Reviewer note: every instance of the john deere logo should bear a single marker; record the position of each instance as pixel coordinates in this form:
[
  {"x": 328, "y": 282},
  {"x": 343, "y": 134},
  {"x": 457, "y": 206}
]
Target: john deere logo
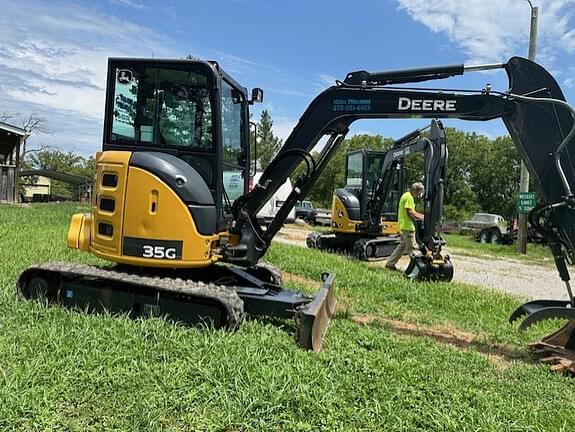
[
  {"x": 408, "y": 104},
  {"x": 125, "y": 76}
]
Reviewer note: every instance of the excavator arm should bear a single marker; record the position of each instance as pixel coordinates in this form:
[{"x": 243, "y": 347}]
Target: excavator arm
[
  {"x": 540, "y": 122},
  {"x": 533, "y": 110},
  {"x": 429, "y": 263}
]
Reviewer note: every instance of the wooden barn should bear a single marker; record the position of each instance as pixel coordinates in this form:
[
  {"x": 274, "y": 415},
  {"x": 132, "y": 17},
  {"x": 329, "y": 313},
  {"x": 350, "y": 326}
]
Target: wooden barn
[{"x": 12, "y": 140}]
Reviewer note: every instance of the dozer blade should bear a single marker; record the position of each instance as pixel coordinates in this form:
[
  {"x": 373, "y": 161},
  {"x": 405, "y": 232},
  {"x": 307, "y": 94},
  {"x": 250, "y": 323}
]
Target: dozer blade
[
  {"x": 557, "y": 349},
  {"x": 313, "y": 319},
  {"x": 422, "y": 268}
]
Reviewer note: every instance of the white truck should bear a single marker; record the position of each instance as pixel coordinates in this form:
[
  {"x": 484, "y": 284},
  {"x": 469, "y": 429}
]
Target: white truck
[{"x": 270, "y": 208}]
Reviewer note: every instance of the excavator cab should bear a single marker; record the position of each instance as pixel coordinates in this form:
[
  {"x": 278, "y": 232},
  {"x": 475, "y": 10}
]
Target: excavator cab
[
  {"x": 350, "y": 208},
  {"x": 350, "y": 203},
  {"x": 192, "y": 111}
]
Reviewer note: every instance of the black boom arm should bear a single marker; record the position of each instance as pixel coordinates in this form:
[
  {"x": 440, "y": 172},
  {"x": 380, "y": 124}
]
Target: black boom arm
[{"x": 537, "y": 128}]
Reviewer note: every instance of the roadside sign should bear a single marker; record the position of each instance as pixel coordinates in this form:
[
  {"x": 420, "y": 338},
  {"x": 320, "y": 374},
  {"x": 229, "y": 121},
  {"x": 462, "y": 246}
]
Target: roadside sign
[{"x": 526, "y": 201}]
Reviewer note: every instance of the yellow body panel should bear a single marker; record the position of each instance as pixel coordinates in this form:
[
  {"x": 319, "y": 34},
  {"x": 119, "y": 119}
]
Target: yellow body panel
[
  {"x": 341, "y": 222},
  {"x": 144, "y": 208},
  {"x": 111, "y": 163}
]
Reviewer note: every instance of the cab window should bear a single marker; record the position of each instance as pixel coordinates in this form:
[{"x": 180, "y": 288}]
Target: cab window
[{"x": 232, "y": 145}]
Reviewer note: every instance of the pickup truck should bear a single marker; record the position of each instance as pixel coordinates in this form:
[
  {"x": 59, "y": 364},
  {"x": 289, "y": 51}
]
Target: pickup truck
[
  {"x": 488, "y": 228},
  {"x": 304, "y": 210},
  {"x": 323, "y": 217}
]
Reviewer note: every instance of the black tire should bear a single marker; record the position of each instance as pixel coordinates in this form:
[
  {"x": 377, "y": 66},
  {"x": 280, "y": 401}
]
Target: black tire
[
  {"x": 38, "y": 288},
  {"x": 484, "y": 236},
  {"x": 312, "y": 240},
  {"x": 495, "y": 237},
  {"x": 370, "y": 251}
]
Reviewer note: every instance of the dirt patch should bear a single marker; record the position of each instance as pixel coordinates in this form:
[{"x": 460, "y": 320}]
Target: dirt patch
[
  {"x": 297, "y": 234},
  {"x": 502, "y": 356}
]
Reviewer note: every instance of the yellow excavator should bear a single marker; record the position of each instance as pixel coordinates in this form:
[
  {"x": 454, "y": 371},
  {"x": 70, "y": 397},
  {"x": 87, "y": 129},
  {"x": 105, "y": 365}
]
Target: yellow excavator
[
  {"x": 364, "y": 212},
  {"x": 171, "y": 201}
]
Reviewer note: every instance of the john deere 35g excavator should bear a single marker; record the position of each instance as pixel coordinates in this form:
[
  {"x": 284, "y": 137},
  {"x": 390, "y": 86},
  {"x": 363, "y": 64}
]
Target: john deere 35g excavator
[
  {"x": 163, "y": 210},
  {"x": 365, "y": 211}
]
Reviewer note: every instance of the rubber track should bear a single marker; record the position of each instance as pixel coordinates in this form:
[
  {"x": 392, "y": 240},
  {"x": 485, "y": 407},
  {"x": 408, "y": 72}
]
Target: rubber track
[{"x": 225, "y": 295}]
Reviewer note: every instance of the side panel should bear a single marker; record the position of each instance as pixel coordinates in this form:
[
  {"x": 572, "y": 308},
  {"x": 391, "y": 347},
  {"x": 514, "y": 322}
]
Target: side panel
[
  {"x": 342, "y": 223},
  {"x": 109, "y": 186},
  {"x": 138, "y": 219},
  {"x": 340, "y": 216},
  {"x": 159, "y": 226}
]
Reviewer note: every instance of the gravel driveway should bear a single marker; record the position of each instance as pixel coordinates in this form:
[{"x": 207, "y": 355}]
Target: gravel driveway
[{"x": 508, "y": 275}]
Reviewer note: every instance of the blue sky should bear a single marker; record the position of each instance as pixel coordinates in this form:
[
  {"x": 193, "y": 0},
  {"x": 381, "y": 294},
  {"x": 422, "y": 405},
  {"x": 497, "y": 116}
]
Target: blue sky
[{"x": 53, "y": 53}]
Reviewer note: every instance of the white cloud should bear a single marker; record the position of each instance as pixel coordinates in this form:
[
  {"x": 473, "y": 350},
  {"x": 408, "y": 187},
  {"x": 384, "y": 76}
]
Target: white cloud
[
  {"x": 569, "y": 82},
  {"x": 53, "y": 61},
  {"x": 493, "y": 30},
  {"x": 130, "y": 3}
]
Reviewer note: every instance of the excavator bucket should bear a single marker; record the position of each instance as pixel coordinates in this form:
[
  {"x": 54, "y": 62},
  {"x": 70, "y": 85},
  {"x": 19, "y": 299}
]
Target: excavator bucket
[
  {"x": 425, "y": 268},
  {"x": 313, "y": 319},
  {"x": 557, "y": 349}
]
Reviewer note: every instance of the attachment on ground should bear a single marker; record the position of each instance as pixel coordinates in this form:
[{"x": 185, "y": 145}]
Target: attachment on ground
[
  {"x": 557, "y": 349},
  {"x": 427, "y": 268}
]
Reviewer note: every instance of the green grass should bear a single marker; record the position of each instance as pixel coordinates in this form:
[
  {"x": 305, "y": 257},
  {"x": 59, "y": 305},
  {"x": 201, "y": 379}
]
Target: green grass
[
  {"x": 66, "y": 370},
  {"x": 466, "y": 245}
]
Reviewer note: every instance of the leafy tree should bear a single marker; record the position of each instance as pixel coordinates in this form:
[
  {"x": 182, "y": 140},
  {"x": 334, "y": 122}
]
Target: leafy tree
[
  {"x": 267, "y": 144},
  {"x": 481, "y": 173},
  {"x": 494, "y": 176}
]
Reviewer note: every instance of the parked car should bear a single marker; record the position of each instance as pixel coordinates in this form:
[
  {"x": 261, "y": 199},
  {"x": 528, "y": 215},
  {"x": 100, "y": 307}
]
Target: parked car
[
  {"x": 304, "y": 210},
  {"x": 488, "y": 228},
  {"x": 323, "y": 217}
]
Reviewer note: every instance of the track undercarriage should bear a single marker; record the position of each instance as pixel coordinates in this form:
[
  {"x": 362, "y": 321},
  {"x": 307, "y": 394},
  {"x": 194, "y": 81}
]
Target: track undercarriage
[
  {"x": 220, "y": 297},
  {"x": 361, "y": 248}
]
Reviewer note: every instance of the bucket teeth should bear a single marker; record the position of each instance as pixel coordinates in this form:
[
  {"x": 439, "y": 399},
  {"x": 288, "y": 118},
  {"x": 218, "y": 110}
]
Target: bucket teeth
[{"x": 557, "y": 349}]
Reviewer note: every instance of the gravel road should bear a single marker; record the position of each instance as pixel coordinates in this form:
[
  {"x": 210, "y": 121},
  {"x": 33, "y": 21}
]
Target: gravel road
[{"x": 508, "y": 275}]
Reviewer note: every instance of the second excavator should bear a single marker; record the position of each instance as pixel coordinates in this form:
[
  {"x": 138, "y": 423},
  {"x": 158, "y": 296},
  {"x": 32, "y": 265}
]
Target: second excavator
[{"x": 364, "y": 212}]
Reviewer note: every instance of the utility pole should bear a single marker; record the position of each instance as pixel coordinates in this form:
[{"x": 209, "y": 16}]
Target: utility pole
[{"x": 524, "y": 179}]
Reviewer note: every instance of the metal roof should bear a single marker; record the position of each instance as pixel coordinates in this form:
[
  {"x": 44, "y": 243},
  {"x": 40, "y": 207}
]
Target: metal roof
[
  {"x": 13, "y": 129},
  {"x": 10, "y": 136},
  {"x": 56, "y": 175}
]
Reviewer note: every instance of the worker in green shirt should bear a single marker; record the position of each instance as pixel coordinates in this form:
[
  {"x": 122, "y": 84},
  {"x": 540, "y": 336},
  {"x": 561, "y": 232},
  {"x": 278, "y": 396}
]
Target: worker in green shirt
[{"x": 406, "y": 215}]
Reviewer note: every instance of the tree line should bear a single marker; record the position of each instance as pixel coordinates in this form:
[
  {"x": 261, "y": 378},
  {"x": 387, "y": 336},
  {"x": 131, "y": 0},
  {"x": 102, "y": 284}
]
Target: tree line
[{"x": 482, "y": 173}]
